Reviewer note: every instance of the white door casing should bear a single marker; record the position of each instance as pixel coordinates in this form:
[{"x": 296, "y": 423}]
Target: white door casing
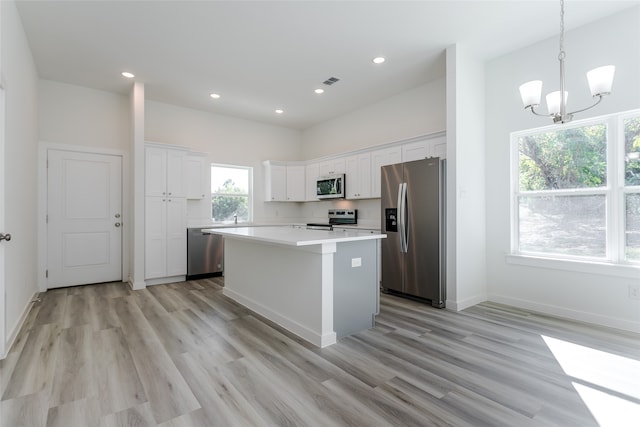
[{"x": 84, "y": 218}]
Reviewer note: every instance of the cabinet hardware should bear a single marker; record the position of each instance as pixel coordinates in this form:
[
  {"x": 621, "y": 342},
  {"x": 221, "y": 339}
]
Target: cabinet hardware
[{"x": 6, "y": 237}]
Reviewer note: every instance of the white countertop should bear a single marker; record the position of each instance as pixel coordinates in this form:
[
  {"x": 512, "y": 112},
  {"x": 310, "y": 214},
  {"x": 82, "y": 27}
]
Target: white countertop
[{"x": 294, "y": 235}]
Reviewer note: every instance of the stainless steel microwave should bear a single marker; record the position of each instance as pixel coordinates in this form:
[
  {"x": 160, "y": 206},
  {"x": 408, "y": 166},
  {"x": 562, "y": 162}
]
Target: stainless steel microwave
[{"x": 330, "y": 187}]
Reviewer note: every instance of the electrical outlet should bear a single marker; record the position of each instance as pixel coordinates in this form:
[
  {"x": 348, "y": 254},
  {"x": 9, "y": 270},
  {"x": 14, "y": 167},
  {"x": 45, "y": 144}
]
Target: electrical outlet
[
  {"x": 634, "y": 290},
  {"x": 356, "y": 262}
]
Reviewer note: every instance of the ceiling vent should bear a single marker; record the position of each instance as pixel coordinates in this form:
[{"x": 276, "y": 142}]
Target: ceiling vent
[{"x": 330, "y": 81}]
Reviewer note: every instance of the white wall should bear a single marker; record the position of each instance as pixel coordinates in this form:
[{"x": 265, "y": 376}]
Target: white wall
[
  {"x": 466, "y": 240},
  {"x": 612, "y": 40},
  {"x": 418, "y": 111},
  {"x": 70, "y": 114},
  {"x": 20, "y": 80},
  {"x": 230, "y": 141}
]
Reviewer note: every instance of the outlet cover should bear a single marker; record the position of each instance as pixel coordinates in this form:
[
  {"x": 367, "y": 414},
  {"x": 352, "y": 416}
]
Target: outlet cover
[
  {"x": 356, "y": 262},
  {"x": 634, "y": 290}
]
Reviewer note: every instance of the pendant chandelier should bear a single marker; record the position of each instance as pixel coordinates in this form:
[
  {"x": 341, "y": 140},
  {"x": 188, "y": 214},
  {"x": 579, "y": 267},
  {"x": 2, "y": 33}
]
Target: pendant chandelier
[{"x": 600, "y": 82}]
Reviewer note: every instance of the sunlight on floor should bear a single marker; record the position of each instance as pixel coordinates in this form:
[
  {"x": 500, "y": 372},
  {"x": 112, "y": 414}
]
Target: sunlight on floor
[{"x": 607, "y": 383}]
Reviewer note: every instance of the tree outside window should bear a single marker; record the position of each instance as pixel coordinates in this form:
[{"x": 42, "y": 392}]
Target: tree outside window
[
  {"x": 577, "y": 190},
  {"x": 231, "y": 193}
]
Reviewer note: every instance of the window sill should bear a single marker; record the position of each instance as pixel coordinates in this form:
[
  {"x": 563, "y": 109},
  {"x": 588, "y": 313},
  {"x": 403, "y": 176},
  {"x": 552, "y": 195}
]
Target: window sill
[{"x": 590, "y": 267}]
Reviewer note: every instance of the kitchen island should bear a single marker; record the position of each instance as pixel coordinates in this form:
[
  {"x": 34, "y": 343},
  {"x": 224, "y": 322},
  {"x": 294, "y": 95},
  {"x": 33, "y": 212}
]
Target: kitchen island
[{"x": 320, "y": 285}]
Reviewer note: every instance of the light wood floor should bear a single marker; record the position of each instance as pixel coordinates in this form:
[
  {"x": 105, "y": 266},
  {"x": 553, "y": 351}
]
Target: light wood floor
[{"x": 185, "y": 355}]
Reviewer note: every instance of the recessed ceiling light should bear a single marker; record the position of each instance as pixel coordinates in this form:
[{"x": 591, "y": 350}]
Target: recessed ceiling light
[
  {"x": 319, "y": 91},
  {"x": 279, "y": 111},
  {"x": 215, "y": 95},
  {"x": 128, "y": 74},
  {"x": 378, "y": 60}
]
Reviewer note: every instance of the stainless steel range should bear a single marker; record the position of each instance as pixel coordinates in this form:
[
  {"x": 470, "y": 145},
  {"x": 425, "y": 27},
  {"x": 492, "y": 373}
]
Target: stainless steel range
[{"x": 336, "y": 217}]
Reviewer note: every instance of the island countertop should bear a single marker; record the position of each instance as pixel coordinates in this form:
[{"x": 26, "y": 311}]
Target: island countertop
[{"x": 294, "y": 235}]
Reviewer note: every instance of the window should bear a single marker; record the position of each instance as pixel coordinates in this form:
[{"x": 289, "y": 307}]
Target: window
[
  {"x": 231, "y": 193},
  {"x": 576, "y": 190}
]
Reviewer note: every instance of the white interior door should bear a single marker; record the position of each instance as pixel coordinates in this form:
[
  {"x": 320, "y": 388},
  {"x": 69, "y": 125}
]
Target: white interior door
[
  {"x": 2, "y": 230},
  {"x": 84, "y": 226}
]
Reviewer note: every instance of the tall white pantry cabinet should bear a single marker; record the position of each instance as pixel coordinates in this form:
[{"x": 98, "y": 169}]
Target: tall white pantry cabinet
[{"x": 165, "y": 214}]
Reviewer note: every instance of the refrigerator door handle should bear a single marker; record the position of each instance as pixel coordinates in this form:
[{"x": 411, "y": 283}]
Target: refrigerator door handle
[{"x": 402, "y": 217}]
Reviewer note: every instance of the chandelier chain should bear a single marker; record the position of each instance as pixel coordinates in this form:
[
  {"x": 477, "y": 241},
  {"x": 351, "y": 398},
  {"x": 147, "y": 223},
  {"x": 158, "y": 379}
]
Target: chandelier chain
[{"x": 561, "y": 55}]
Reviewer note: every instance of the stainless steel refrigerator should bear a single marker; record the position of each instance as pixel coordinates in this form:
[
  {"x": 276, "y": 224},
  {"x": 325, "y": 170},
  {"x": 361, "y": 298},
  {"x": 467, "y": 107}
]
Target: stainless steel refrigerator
[{"x": 413, "y": 217}]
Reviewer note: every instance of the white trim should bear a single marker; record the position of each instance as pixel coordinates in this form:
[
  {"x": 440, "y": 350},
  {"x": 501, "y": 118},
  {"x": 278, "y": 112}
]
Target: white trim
[
  {"x": 43, "y": 148},
  {"x": 160, "y": 281},
  {"x": 608, "y": 269},
  {"x": 302, "y": 331},
  {"x": 19, "y": 324},
  {"x": 466, "y": 303},
  {"x": 582, "y": 316}
]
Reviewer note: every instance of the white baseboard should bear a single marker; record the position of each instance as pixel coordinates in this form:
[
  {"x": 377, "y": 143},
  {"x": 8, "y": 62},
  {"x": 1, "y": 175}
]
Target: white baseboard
[
  {"x": 466, "y": 303},
  {"x": 13, "y": 334},
  {"x": 302, "y": 331},
  {"x": 581, "y": 316},
  {"x": 163, "y": 280}
]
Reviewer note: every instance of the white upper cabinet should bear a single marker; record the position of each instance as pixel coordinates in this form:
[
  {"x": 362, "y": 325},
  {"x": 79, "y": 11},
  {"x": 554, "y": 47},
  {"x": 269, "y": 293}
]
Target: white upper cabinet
[
  {"x": 284, "y": 183},
  {"x": 198, "y": 176},
  {"x": 379, "y": 158},
  {"x": 415, "y": 151},
  {"x": 165, "y": 172},
  {"x": 433, "y": 147},
  {"x": 312, "y": 173},
  {"x": 275, "y": 182},
  {"x": 296, "y": 183},
  {"x": 331, "y": 167},
  {"x": 358, "y": 176}
]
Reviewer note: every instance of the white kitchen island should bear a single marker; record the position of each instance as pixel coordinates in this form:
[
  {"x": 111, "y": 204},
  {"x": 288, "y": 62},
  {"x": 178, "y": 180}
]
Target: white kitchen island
[{"x": 320, "y": 285}]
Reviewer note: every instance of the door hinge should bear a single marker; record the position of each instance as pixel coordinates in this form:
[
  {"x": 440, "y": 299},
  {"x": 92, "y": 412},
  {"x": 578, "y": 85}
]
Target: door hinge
[
  {"x": 46, "y": 274},
  {"x": 46, "y": 219}
]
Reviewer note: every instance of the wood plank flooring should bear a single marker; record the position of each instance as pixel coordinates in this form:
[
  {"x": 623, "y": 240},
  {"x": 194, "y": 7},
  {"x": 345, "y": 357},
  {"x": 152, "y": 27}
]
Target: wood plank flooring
[{"x": 182, "y": 354}]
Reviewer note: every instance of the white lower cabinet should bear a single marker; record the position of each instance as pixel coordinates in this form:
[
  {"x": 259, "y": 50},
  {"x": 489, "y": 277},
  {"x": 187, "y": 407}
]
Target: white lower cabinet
[{"x": 165, "y": 237}]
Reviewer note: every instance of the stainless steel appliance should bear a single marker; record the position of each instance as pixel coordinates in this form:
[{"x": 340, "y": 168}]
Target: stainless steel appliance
[
  {"x": 330, "y": 186},
  {"x": 413, "y": 217},
  {"x": 336, "y": 217},
  {"x": 205, "y": 254}
]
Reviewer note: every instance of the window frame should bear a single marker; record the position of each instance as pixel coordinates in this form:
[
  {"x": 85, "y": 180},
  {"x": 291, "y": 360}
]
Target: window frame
[
  {"x": 615, "y": 192},
  {"x": 249, "y": 194}
]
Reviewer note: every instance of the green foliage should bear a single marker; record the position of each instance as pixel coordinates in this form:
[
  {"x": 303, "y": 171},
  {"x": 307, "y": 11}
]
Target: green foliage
[
  {"x": 229, "y": 200},
  {"x": 572, "y": 158},
  {"x": 632, "y": 151}
]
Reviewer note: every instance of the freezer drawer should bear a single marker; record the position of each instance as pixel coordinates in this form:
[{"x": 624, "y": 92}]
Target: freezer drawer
[{"x": 205, "y": 253}]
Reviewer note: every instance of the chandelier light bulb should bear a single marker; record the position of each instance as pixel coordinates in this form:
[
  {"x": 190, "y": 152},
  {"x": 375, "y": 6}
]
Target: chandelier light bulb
[
  {"x": 601, "y": 79},
  {"x": 531, "y": 93},
  {"x": 553, "y": 102}
]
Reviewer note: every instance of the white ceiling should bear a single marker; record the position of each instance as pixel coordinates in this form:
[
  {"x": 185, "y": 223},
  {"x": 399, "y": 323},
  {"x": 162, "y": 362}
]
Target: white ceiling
[{"x": 263, "y": 55}]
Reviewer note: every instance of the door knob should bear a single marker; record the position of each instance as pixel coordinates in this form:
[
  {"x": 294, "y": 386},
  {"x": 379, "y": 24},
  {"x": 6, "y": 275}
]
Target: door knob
[
  {"x": 6, "y": 237},
  {"x": 117, "y": 215},
  {"x": 117, "y": 224}
]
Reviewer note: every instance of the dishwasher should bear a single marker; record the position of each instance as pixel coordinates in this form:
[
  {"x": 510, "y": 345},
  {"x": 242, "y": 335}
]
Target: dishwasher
[{"x": 205, "y": 254}]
